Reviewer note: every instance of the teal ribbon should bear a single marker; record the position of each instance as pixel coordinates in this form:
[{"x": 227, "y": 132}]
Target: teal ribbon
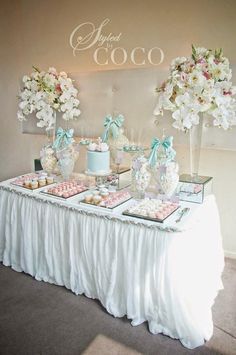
[
  {"x": 166, "y": 144},
  {"x": 112, "y": 126},
  {"x": 63, "y": 138}
]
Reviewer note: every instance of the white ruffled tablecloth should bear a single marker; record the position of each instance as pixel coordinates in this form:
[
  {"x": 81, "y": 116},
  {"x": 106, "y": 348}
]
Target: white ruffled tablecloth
[{"x": 152, "y": 272}]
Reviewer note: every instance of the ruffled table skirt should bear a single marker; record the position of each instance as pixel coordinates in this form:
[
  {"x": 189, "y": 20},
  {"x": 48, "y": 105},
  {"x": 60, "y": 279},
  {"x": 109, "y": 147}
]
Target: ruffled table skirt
[{"x": 169, "y": 279}]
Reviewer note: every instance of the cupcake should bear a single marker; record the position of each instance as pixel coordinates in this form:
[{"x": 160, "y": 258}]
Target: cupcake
[
  {"x": 88, "y": 198},
  {"x": 34, "y": 184},
  {"x": 97, "y": 199},
  {"x": 42, "y": 181},
  {"x": 49, "y": 179},
  {"x": 27, "y": 183}
]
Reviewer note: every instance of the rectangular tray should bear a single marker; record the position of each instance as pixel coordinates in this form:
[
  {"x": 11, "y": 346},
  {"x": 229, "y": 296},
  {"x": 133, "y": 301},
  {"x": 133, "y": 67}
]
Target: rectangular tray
[
  {"x": 30, "y": 188},
  {"x": 126, "y": 213},
  {"x": 105, "y": 207},
  {"x": 61, "y": 197}
]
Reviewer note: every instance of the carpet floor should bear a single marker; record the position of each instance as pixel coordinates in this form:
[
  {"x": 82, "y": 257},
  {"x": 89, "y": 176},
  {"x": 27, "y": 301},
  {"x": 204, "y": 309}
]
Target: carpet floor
[{"x": 38, "y": 318}]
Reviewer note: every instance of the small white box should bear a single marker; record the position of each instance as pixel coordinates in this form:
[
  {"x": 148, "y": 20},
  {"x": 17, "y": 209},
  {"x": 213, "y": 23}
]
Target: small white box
[{"x": 194, "y": 189}]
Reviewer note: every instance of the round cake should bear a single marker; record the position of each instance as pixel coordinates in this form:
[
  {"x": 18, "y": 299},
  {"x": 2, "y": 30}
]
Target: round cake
[{"x": 98, "y": 158}]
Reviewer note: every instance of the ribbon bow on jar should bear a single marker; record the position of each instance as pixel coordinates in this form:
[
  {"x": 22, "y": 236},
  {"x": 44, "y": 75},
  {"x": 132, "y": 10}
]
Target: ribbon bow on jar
[
  {"x": 113, "y": 126},
  {"x": 166, "y": 143},
  {"x": 63, "y": 138}
]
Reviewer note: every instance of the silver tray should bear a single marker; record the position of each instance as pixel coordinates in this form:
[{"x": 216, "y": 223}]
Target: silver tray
[
  {"x": 104, "y": 207},
  {"x": 127, "y": 213}
]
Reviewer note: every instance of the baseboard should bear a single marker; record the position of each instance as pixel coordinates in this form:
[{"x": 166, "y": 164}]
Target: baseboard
[{"x": 230, "y": 254}]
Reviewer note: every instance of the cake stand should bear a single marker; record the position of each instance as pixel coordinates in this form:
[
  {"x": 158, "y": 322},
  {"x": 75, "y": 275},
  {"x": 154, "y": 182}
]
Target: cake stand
[{"x": 100, "y": 178}]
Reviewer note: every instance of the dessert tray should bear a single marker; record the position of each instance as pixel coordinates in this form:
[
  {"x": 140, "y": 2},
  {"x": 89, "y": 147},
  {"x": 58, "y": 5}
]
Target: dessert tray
[
  {"x": 66, "y": 189},
  {"x": 152, "y": 209},
  {"x": 33, "y": 181},
  {"x": 105, "y": 199}
]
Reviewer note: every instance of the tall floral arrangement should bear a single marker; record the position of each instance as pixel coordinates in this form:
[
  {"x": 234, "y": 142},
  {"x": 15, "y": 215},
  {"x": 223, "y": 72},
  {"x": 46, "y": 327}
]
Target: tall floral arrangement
[
  {"x": 199, "y": 84},
  {"x": 45, "y": 93}
]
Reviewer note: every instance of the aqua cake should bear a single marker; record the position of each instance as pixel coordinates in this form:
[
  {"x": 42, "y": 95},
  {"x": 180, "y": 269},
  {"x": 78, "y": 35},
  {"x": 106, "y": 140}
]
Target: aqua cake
[{"x": 98, "y": 158}]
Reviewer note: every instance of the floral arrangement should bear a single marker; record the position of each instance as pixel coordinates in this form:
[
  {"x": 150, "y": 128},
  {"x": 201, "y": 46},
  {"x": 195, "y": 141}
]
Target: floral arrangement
[
  {"x": 45, "y": 93},
  {"x": 199, "y": 84}
]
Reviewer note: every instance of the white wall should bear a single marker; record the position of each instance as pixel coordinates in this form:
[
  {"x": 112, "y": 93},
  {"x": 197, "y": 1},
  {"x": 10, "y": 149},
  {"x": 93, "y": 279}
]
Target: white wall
[{"x": 37, "y": 33}]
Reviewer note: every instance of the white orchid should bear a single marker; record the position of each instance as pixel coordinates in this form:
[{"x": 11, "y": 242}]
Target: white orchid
[
  {"x": 45, "y": 93},
  {"x": 196, "y": 84},
  {"x": 25, "y": 78},
  {"x": 185, "y": 116},
  {"x": 196, "y": 79}
]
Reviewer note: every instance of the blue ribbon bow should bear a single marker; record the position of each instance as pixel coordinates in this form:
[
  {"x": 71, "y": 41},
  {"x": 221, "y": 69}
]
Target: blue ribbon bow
[
  {"x": 167, "y": 145},
  {"x": 112, "y": 125},
  {"x": 64, "y": 138}
]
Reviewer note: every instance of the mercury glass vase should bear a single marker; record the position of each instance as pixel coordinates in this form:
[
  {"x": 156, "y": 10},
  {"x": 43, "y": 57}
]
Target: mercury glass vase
[{"x": 195, "y": 142}]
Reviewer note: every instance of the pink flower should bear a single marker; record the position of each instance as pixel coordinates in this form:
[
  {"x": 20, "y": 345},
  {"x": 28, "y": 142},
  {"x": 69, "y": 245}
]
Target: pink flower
[
  {"x": 227, "y": 92},
  {"x": 201, "y": 61},
  {"x": 207, "y": 75},
  {"x": 58, "y": 88},
  {"x": 183, "y": 76}
]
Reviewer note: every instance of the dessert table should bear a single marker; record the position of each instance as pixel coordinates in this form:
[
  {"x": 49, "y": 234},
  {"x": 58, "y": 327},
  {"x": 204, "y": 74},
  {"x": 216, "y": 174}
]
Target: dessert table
[{"x": 167, "y": 274}]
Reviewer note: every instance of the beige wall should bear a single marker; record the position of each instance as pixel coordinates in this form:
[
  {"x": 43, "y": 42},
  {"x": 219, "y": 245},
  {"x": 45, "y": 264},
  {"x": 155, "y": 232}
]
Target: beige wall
[{"x": 37, "y": 33}]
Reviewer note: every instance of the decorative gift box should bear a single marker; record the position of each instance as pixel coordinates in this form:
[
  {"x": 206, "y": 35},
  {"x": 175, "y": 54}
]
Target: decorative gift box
[{"x": 194, "y": 189}]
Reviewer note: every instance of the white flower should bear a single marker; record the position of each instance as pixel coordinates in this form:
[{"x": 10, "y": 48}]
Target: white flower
[
  {"x": 219, "y": 71},
  {"x": 49, "y": 79},
  {"x": 51, "y": 98},
  {"x": 35, "y": 75},
  {"x": 20, "y": 116},
  {"x": 56, "y": 106},
  {"x": 28, "y": 85},
  {"x": 185, "y": 118},
  {"x": 25, "y": 78},
  {"x": 52, "y": 70},
  {"x": 224, "y": 117},
  {"x": 183, "y": 100},
  {"x": 196, "y": 78},
  {"x": 178, "y": 61},
  {"x": 63, "y": 74},
  {"x": 201, "y": 52},
  {"x": 23, "y": 105},
  {"x": 25, "y": 95},
  {"x": 200, "y": 83},
  {"x": 76, "y": 112},
  {"x": 34, "y": 85},
  {"x": 46, "y": 92}
]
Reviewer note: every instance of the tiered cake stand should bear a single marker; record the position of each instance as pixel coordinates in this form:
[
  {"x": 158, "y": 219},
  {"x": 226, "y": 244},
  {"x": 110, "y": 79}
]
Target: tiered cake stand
[{"x": 100, "y": 178}]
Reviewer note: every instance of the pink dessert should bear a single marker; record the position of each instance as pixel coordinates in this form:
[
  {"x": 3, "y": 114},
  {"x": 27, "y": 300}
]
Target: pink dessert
[
  {"x": 152, "y": 209},
  {"x": 67, "y": 189}
]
